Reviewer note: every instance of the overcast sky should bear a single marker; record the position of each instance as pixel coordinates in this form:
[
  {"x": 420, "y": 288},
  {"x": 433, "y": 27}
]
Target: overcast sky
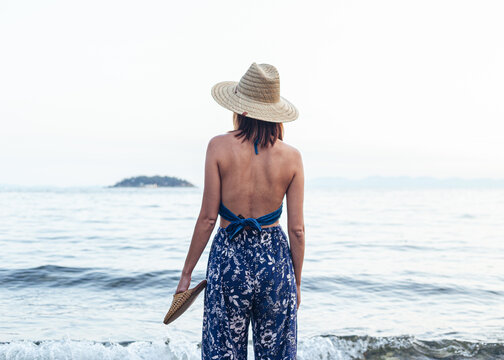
[{"x": 95, "y": 91}]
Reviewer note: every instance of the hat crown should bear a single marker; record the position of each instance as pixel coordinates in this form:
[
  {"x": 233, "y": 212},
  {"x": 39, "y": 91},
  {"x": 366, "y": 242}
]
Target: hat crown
[{"x": 260, "y": 83}]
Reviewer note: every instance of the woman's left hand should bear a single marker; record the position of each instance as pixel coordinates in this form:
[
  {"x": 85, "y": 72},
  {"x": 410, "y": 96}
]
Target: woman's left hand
[{"x": 185, "y": 281}]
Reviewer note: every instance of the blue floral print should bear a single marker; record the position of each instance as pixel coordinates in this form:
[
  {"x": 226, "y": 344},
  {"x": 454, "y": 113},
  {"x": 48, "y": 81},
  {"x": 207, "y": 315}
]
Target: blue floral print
[{"x": 250, "y": 279}]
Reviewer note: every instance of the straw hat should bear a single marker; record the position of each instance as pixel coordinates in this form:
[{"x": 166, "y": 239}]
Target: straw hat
[
  {"x": 256, "y": 95},
  {"x": 182, "y": 301}
]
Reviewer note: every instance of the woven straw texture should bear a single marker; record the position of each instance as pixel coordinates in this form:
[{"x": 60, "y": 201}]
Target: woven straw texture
[
  {"x": 183, "y": 299},
  {"x": 256, "y": 95}
]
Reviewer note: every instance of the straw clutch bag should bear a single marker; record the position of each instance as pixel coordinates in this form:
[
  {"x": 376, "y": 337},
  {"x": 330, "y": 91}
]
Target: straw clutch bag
[{"x": 182, "y": 301}]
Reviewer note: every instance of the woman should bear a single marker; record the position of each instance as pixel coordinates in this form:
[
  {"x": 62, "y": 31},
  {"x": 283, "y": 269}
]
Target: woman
[{"x": 252, "y": 273}]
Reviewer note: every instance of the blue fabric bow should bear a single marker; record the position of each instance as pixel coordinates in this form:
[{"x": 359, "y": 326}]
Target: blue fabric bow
[{"x": 236, "y": 224}]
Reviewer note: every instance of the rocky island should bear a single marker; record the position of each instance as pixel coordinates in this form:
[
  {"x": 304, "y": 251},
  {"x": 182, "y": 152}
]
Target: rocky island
[{"x": 153, "y": 182}]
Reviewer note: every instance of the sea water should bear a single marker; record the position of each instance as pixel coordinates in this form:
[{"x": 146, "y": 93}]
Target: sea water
[{"x": 89, "y": 273}]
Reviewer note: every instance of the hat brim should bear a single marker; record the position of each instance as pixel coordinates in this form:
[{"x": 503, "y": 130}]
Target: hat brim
[{"x": 281, "y": 111}]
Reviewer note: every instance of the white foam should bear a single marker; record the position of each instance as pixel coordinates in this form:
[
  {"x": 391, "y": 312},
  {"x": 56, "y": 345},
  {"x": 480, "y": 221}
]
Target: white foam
[
  {"x": 322, "y": 347},
  {"x": 313, "y": 348},
  {"x": 87, "y": 350}
]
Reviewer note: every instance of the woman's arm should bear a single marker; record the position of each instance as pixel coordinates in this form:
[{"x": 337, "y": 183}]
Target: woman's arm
[
  {"x": 207, "y": 217},
  {"x": 295, "y": 220}
]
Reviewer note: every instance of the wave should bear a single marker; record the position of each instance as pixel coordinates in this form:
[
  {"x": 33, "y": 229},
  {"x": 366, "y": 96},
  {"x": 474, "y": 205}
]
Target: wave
[
  {"x": 355, "y": 347},
  {"x": 106, "y": 278},
  {"x": 62, "y": 276},
  {"x": 318, "y": 347}
]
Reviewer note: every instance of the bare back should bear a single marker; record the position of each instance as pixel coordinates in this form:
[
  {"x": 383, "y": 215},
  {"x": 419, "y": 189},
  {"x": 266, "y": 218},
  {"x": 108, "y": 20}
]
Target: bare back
[{"x": 253, "y": 184}]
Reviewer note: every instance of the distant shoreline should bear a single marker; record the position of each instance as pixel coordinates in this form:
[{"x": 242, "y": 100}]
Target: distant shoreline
[{"x": 407, "y": 182}]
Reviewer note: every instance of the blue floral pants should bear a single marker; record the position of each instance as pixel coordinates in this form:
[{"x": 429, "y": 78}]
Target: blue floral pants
[{"x": 250, "y": 278}]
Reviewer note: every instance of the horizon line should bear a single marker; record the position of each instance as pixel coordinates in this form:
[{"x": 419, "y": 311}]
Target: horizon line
[{"x": 320, "y": 180}]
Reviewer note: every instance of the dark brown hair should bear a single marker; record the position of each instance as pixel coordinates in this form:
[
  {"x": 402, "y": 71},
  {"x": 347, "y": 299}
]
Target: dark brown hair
[{"x": 253, "y": 129}]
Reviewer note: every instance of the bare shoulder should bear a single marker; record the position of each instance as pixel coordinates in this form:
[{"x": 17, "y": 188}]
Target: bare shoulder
[
  {"x": 291, "y": 153},
  {"x": 219, "y": 142}
]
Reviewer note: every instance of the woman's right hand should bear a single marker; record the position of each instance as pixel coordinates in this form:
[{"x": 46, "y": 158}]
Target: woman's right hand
[
  {"x": 185, "y": 281},
  {"x": 298, "y": 288}
]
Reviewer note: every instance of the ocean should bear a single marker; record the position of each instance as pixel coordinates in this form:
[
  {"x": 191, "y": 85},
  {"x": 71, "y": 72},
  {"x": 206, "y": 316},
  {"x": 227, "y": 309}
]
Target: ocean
[{"x": 89, "y": 273}]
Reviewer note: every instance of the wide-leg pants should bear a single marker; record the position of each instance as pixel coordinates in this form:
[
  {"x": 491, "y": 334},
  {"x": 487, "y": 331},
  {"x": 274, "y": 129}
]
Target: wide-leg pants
[{"x": 250, "y": 278}]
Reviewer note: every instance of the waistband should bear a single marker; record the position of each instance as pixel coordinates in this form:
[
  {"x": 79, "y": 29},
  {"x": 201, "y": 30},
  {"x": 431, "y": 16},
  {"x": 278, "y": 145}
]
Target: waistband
[
  {"x": 271, "y": 228},
  {"x": 273, "y": 233}
]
